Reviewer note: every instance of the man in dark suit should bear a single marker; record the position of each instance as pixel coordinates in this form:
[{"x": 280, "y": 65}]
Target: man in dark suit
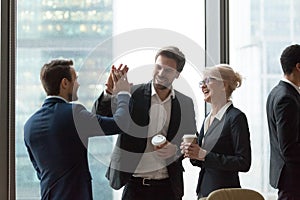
[
  {"x": 56, "y": 136},
  {"x": 156, "y": 108},
  {"x": 283, "y": 113}
]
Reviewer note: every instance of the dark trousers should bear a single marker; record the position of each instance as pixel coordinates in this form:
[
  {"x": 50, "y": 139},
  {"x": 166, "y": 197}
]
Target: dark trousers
[
  {"x": 288, "y": 195},
  {"x": 139, "y": 189}
]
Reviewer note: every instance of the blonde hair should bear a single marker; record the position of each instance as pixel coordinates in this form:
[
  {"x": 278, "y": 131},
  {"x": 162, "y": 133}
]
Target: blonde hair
[{"x": 225, "y": 73}]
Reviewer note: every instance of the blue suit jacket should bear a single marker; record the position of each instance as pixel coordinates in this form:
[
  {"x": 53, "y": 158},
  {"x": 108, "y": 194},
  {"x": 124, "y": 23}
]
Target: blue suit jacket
[
  {"x": 56, "y": 137},
  {"x": 227, "y": 142},
  {"x": 283, "y": 111}
]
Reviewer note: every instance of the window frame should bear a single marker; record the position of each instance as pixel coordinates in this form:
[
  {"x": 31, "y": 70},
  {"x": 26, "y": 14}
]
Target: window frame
[
  {"x": 7, "y": 100},
  {"x": 216, "y": 34}
]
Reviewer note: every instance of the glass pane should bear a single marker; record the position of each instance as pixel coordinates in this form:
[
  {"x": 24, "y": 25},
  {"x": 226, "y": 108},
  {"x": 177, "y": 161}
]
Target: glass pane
[
  {"x": 88, "y": 31},
  {"x": 259, "y": 31},
  {"x": 50, "y": 29}
]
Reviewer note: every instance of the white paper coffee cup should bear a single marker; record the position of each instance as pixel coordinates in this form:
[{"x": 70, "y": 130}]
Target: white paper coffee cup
[
  {"x": 189, "y": 138},
  {"x": 158, "y": 140}
]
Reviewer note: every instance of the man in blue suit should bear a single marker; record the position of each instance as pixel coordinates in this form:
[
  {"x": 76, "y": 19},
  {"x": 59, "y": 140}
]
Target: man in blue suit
[
  {"x": 283, "y": 112},
  {"x": 56, "y": 136}
]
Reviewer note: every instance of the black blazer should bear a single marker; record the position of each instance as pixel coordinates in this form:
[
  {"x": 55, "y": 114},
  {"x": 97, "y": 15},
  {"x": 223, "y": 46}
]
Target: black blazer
[
  {"x": 56, "y": 137},
  {"x": 283, "y": 112},
  {"x": 130, "y": 147},
  {"x": 227, "y": 142}
]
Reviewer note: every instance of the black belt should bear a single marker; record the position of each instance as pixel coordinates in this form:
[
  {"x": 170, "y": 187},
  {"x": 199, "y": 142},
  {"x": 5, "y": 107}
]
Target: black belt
[{"x": 149, "y": 182}]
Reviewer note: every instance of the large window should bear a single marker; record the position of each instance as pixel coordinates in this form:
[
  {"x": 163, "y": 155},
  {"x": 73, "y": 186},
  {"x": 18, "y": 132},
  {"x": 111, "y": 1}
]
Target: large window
[
  {"x": 259, "y": 31},
  {"x": 92, "y": 32},
  {"x": 95, "y": 34},
  {"x": 50, "y": 29}
]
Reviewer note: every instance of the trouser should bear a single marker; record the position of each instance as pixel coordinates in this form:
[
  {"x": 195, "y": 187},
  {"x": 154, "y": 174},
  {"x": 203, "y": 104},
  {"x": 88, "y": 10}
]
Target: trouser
[
  {"x": 145, "y": 189},
  {"x": 288, "y": 195}
]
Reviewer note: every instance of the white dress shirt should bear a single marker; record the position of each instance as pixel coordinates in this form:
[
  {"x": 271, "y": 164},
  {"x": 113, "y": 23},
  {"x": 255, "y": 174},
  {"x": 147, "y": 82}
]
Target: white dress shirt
[{"x": 151, "y": 165}]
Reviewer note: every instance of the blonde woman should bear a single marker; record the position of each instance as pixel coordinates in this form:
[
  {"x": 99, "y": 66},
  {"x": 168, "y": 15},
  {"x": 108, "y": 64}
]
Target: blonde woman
[{"x": 223, "y": 148}]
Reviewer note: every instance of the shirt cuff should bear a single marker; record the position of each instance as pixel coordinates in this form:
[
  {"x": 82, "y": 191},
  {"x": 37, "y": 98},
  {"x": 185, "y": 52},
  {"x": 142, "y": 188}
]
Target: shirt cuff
[{"x": 124, "y": 92}]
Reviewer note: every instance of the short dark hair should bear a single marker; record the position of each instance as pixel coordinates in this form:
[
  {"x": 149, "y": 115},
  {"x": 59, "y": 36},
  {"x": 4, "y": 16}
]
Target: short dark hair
[
  {"x": 53, "y": 72},
  {"x": 289, "y": 58},
  {"x": 173, "y": 53}
]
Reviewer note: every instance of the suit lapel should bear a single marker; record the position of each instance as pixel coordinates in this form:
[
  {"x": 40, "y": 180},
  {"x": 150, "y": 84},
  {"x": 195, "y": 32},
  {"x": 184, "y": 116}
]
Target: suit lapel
[
  {"x": 201, "y": 136},
  {"x": 175, "y": 111},
  {"x": 147, "y": 97},
  {"x": 213, "y": 125},
  {"x": 140, "y": 105},
  {"x": 174, "y": 119},
  {"x": 214, "y": 131}
]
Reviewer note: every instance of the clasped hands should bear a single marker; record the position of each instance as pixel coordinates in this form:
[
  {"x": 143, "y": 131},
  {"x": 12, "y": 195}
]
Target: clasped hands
[
  {"x": 117, "y": 80},
  {"x": 193, "y": 151}
]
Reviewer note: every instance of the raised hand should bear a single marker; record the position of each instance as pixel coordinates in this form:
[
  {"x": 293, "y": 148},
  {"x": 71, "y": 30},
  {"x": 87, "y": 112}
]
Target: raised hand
[
  {"x": 120, "y": 84},
  {"x": 109, "y": 82},
  {"x": 118, "y": 73}
]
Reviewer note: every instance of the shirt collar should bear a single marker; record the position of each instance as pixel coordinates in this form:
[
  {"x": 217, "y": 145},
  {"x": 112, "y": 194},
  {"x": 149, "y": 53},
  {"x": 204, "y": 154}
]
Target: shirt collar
[
  {"x": 222, "y": 111},
  {"x": 58, "y": 97},
  {"x": 153, "y": 91},
  {"x": 288, "y": 81}
]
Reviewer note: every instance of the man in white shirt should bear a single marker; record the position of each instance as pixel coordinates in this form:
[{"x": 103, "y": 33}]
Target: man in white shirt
[{"x": 156, "y": 108}]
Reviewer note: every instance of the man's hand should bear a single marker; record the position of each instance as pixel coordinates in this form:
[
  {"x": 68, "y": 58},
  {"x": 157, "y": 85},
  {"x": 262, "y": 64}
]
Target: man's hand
[
  {"x": 118, "y": 73},
  {"x": 120, "y": 84},
  {"x": 167, "y": 151}
]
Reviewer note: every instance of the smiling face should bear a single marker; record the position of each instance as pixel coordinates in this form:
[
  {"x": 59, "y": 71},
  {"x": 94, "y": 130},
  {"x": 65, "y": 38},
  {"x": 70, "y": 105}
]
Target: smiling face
[
  {"x": 164, "y": 72},
  {"x": 218, "y": 83},
  {"x": 212, "y": 89}
]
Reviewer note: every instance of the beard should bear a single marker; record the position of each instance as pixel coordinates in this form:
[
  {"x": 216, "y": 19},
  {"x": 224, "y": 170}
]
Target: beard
[
  {"x": 162, "y": 86},
  {"x": 72, "y": 97}
]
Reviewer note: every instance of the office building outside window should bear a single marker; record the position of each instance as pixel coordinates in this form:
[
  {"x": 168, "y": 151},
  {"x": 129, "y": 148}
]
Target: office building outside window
[
  {"x": 84, "y": 30},
  {"x": 50, "y": 29}
]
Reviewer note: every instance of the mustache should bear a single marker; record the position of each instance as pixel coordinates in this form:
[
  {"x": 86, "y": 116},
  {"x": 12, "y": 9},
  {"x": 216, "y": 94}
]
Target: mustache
[{"x": 161, "y": 78}]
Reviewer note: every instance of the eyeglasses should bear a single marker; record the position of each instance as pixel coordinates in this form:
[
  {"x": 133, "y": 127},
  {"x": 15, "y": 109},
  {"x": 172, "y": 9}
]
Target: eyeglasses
[{"x": 206, "y": 81}]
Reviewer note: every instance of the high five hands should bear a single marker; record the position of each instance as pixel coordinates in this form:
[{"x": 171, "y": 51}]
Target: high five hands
[{"x": 117, "y": 80}]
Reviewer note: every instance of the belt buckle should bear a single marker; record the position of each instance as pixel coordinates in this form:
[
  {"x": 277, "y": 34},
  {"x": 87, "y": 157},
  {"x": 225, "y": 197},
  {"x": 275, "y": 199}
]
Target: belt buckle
[{"x": 144, "y": 181}]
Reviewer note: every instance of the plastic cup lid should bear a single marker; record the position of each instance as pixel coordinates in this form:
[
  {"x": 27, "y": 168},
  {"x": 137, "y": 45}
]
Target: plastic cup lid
[
  {"x": 189, "y": 136},
  {"x": 158, "y": 140}
]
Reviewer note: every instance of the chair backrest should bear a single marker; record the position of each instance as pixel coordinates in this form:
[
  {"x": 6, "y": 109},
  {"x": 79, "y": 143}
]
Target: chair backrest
[{"x": 235, "y": 194}]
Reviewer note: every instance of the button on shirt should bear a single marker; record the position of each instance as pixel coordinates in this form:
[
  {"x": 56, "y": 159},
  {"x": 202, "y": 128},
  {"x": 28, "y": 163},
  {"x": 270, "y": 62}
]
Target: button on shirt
[{"x": 151, "y": 165}]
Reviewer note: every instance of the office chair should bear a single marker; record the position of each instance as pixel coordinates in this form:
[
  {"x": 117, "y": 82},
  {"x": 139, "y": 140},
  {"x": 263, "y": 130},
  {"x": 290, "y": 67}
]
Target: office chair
[{"x": 234, "y": 194}]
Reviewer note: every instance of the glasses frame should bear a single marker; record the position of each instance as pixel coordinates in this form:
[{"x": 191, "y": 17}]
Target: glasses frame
[{"x": 207, "y": 81}]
